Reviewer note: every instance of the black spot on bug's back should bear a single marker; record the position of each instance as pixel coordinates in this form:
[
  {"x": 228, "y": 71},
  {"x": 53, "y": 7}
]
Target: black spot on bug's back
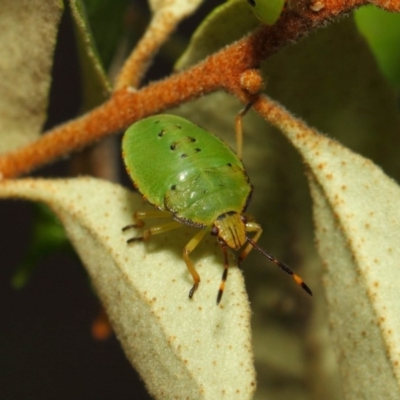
[
  {"x": 178, "y": 126},
  {"x": 184, "y": 144},
  {"x": 229, "y": 164},
  {"x": 161, "y": 133},
  {"x": 173, "y": 187},
  {"x": 252, "y": 2}
]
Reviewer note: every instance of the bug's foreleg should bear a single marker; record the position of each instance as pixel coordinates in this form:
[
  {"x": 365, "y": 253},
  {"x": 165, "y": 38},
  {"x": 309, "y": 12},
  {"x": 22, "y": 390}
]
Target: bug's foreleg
[
  {"x": 225, "y": 273},
  {"x": 190, "y": 266},
  {"x": 250, "y": 227}
]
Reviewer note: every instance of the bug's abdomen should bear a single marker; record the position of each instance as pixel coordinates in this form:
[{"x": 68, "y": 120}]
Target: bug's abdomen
[{"x": 181, "y": 167}]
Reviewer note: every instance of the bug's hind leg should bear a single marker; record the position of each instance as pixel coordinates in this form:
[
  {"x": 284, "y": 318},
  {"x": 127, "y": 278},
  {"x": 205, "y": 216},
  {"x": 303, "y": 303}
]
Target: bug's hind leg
[
  {"x": 239, "y": 130},
  {"x": 189, "y": 263},
  {"x": 139, "y": 218}
]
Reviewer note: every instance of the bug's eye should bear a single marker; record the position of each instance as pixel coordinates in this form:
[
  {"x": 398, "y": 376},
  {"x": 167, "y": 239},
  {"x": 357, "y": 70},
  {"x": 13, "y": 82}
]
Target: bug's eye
[
  {"x": 243, "y": 218},
  {"x": 214, "y": 231}
]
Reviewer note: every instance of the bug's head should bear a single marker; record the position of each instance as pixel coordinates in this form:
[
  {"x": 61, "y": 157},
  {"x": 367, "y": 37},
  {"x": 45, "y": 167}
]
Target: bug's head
[{"x": 230, "y": 227}]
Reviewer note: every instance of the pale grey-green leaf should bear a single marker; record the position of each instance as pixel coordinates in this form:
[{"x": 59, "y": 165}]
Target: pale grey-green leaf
[
  {"x": 331, "y": 80},
  {"x": 177, "y": 8},
  {"x": 182, "y": 348},
  {"x": 357, "y": 215},
  {"x": 28, "y": 37}
]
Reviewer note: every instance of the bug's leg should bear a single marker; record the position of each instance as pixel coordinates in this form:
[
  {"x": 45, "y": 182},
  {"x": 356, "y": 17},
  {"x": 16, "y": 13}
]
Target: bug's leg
[
  {"x": 225, "y": 273},
  {"x": 239, "y": 130},
  {"x": 155, "y": 230},
  {"x": 139, "y": 216},
  {"x": 186, "y": 252},
  {"x": 250, "y": 227}
]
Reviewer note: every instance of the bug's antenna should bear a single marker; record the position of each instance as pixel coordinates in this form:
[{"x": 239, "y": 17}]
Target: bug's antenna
[{"x": 282, "y": 266}]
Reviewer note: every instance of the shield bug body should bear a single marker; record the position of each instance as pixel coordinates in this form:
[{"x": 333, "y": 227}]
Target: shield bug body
[{"x": 192, "y": 176}]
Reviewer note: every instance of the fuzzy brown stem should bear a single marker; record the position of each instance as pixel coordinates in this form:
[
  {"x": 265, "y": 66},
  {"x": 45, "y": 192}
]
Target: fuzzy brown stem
[{"x": 222, "y": 70}]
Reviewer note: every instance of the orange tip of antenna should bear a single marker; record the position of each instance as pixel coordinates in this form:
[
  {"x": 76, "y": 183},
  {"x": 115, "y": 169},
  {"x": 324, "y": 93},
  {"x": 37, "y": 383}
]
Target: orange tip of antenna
[{"x": 301, "y": 283}]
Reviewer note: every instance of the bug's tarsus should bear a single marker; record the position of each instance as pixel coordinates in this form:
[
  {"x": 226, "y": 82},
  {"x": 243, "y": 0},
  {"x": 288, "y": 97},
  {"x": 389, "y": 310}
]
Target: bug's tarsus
[
  {"x": 282, "y": 266},
  {"x": 193, "y": 289},
  {"x": 135, "y": 239},
  {"x": 247, "y": 108},
  {"x": 222, "y": 285},
  {"x": 131, "y": 226}
]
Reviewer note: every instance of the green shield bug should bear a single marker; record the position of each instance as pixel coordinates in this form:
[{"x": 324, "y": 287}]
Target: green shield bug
[{"x": 192, "y": 176}]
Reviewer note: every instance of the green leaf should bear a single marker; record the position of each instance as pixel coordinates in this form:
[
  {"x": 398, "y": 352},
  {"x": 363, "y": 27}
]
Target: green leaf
[
  {"x": 268, "y": 11},
  {"x": 225, "y": 24},
  {"x": 48, "y": 237},
  {"x": 106, "y": 21},
  {"x": 96, "y": 86},
  {"x": 382, "y": 32}
]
